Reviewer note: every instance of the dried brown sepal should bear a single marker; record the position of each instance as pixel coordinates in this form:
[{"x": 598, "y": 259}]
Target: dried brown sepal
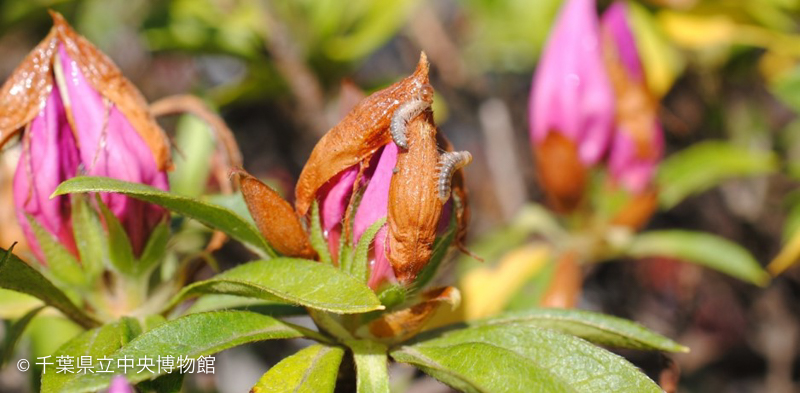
[
  {"x": 25, "y": 91},
  {"x": 567, "y": 283},
  {"x": 358, "y": 136},
  {"x": 561, "y": 172},
  {"x": 406, "y": 323},
  {"x": 638, "y": 210},
  {"x": 108, "y": 80},
  {"x": 414, "y": 206},
  {"x": 637, "y": 108},
  {"x": 274, "y": 217}
]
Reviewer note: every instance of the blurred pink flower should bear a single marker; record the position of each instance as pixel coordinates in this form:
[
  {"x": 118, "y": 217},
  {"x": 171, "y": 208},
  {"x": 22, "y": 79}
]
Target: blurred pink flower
[
  {"x": 120, "y": 385},
  {"x": 571, "y": 92},
  {"x": 638, "y": 141}
]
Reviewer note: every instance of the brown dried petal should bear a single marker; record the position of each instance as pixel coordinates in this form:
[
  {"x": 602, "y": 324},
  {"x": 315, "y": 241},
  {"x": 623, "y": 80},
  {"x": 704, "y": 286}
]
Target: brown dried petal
[
  {"x": 356, "y": 138},
  {"x": 414, "y": 205},
  {"x": 637, "y": 109},
  {"x": 107, "y": 79},
  {"x": 638, "y": 210},
  {"x": 24, "y": 93},
  {"x": 566, "y": 285},
  {"x": 275, "y": 218},
  {"x": 560, "y": 171},
  {"x": 406, "y": 323}
]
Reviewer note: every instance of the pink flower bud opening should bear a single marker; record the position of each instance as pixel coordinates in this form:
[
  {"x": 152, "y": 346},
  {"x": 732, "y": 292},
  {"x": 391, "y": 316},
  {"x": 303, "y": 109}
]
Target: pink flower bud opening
[
  {"x": 111, "y": 147},
  {"x": 571, "y": 92}
]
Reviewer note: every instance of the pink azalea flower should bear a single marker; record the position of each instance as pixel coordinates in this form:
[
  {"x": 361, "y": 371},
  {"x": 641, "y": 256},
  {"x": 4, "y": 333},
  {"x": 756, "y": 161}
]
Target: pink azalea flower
[
  {"x": 638, "y": 141},
  {"x": 571, "y": 92}
]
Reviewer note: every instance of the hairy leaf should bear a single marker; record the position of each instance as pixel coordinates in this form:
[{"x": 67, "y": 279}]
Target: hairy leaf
[
  {"x": 311, "y": 370},
  {"x": 297, "y": 281},
  {"x": 211, "y": 215}
]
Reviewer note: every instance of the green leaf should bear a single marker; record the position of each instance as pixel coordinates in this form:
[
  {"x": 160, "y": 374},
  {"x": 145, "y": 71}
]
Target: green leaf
[
  {"x": 211, "y": 215},
  {"x": 359, "y": 267},
  {"x": 222, "y": 302},
  {"x": 313, "y": 369},
  {"x": 705, "y": 165},
  {"x": 531, "y": 293},
  {"x": 786, "y": 87},
  {"x": 519, "y": 358},
  {"x": 155, "y": 249},
  {"x": 440, "y": 247},
  {"x": 193, "y": 139},
  {"x": 297, "y": 281},
  {"x": 61, "y": 264},
  {"x": 318, "y": 242},
  {"x": 372, "y": 375},
  {"x": 120, "y": 251},
  {"x": 96, "y": 343},
  {"x": 191, "y": 336},
  {"x": 14, "y": 305},
  {"x": 594, "y": 327},
  {"x": 14, "y": 333},
  {"x": 92, "y": 243},
  {"x": 18, "y": 276},
  {"x": 702, "y": 249}
]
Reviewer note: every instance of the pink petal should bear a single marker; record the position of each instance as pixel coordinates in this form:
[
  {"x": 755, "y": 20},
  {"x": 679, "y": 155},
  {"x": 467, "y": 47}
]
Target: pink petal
[
  {"x": 335, "y": 198},
  {"x": 571, "y": 93},
  {"x": 374, "y": 206},
  {"x": 615, "y": 23},
  {"x": 49, "y": 156},
  {"x": 120, "y": 385},
  {"x": 110, "y": 146},
  {"x": 632, "y": 169}
]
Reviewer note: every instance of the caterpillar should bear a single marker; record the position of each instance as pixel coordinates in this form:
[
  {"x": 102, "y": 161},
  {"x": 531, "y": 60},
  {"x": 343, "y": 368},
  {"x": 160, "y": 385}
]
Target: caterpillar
[
  {"x": 449, "y": 162},
  {"x": 407, "y": 111}
]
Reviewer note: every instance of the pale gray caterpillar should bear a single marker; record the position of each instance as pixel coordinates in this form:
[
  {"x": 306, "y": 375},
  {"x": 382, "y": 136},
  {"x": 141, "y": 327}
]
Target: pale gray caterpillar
[
  {"x": 407, "y": 111},
  {"x": 449, "y": 162}
]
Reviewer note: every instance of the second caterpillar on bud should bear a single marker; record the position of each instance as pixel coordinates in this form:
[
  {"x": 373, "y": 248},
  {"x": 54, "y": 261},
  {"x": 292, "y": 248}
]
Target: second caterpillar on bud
[{"x": 450, "y": 162}]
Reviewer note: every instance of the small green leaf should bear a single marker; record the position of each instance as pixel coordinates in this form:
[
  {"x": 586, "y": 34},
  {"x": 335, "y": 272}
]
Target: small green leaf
[
  {"x": 297, "y": 281},
  {"x": 14, "y": 333},
  {"x": 440, "y": 247},
  {"x": 211, "y": 215},
  {"x": 594, "y": 327},
  {"x": 193, "y": 139},
  {"x": 155, "y": 249},
  {"x": 703, "y": 249},
  {"x": 359, "y": 267},
  {"x": 191, "y": 336},
  {"x": 96, "y": 344},
  {"x": 18, "y": 276},
  {"x": 531, "y": 293},
  {"x": 120, "y": 251},
  {"x": 519, "y": 358},
  {"x": 705, "y": 165},
  {"x": 92, "y": 243},
  {"x": 372, "y": 375},
  {"x": 61, "y": 264},
  {"x": 318, "y": 242},
  {"x": 313, "y": 369}
]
